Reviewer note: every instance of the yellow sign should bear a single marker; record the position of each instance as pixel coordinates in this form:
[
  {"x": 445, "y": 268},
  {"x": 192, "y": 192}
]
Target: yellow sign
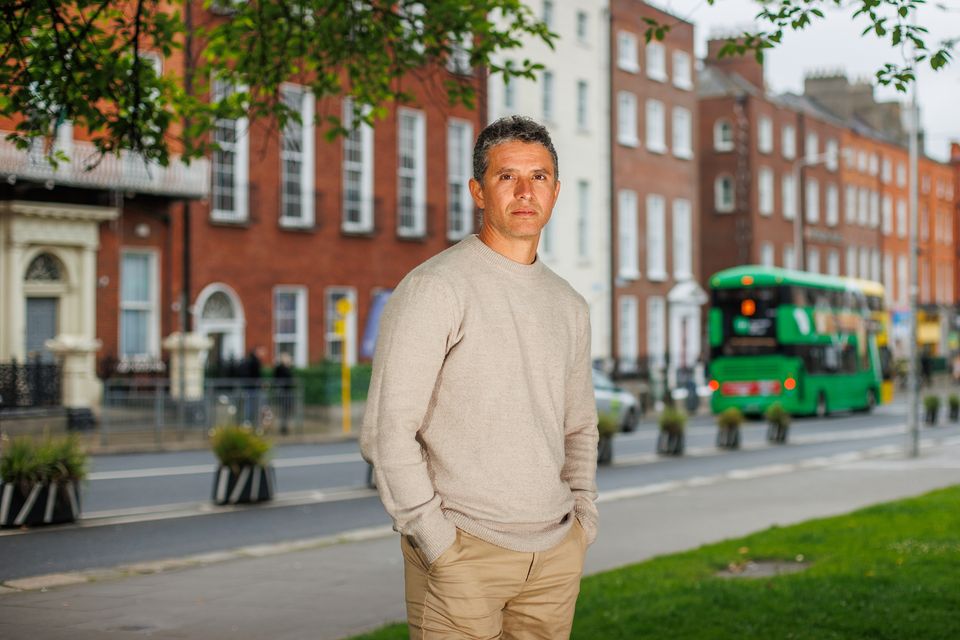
[
  {"x": 339, "y": 327},
  {"x": 343, "y": 306}
]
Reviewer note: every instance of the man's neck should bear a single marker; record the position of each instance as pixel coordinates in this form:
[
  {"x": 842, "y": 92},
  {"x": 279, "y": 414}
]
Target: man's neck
[{"x": 522, "y": 250}]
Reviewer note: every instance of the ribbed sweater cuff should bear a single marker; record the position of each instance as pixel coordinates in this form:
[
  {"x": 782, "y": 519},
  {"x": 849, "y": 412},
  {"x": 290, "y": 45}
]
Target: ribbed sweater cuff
[
  {"x": 588, "y": 520},
  {"x": 434, "y": 534}
]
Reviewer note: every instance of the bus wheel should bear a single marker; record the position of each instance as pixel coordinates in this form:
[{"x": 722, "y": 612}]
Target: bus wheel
[
  {"x": 871, "y": 400},
  {"x": 821, "y": 410}
]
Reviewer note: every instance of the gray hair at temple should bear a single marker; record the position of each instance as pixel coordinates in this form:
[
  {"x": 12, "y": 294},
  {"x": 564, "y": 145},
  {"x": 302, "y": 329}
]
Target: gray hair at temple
[{"x": 510, "y": 129}]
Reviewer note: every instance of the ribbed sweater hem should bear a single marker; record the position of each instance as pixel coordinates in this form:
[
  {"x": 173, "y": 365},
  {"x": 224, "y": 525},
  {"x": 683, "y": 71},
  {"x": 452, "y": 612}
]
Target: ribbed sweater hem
[{"x": 529, "y": 541}]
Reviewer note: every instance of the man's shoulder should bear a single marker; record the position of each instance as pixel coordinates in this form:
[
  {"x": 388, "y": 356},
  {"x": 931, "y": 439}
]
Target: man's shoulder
[{"x": 564, "y": 290}]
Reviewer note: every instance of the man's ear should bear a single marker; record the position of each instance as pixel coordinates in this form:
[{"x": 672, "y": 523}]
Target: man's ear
[{"x": 476, "y": 190}]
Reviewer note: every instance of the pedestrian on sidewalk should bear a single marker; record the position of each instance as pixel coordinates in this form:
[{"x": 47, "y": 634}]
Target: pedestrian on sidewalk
[{"x": 481, "y": 423}]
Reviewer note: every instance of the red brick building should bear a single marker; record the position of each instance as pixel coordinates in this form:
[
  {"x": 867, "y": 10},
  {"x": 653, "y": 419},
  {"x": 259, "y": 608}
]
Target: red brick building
[{"x": 655, "y": 227}]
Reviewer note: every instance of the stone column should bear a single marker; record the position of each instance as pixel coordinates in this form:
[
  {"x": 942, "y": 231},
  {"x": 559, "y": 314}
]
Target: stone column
[
  {"x": 191, "y": 348},
  {"x": 80, "y": 387}
]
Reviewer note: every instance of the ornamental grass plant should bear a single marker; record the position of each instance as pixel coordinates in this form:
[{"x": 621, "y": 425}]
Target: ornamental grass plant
[{"x": 237, "y": 447}]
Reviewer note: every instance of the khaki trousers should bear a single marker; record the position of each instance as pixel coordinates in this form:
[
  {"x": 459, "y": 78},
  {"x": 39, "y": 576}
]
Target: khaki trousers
[{"x": 478, "y": 590}]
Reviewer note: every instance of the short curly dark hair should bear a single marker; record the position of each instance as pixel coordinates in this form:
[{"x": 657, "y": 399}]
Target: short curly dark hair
[{"x": 510, "y": 129}]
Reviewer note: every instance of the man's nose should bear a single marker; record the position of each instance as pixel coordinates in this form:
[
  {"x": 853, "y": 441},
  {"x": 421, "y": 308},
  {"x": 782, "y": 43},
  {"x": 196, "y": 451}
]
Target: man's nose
[{"x": 523, "y": 188}]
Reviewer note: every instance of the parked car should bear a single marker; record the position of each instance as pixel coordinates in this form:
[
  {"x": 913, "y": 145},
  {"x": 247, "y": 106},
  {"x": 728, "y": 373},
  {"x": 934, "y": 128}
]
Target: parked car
[{"x": 612, "y": 399}]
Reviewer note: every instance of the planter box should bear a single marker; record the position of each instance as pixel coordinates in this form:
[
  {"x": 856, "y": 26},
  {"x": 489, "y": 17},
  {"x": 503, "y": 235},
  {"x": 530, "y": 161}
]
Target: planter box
[
  {"x": 248, "y": 484},
  {"x": 671, "y": 443},
  {"x": 42, "y": 503},
  {"x": 728, "y": 438},
  {"x": 605, "y": 450}
]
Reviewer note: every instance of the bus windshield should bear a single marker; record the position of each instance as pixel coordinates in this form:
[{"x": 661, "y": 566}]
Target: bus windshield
[{"x": 749, "y": 320}]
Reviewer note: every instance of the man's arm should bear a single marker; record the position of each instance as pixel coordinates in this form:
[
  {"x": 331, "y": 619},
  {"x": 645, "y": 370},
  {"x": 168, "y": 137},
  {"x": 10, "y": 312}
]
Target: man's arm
[
  {"x": 580, "y": 428},
  {"x": 416, "y": 331}
]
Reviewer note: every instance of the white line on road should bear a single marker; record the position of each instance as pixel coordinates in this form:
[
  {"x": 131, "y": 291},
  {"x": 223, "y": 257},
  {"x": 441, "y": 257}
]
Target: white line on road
[{"x": 197, "y": 469}]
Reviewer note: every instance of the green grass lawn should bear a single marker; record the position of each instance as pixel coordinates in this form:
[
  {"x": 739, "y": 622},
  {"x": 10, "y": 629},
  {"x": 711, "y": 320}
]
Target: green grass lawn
[{"x": 887, "y": 572}]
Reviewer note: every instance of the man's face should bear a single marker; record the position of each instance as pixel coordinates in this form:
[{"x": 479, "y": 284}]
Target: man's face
[{"x": 519, "y": 190}]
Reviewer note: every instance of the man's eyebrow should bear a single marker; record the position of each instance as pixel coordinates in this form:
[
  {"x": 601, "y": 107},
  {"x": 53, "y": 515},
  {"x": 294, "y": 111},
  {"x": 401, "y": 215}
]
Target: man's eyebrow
[{"x": 502, "y": 170}]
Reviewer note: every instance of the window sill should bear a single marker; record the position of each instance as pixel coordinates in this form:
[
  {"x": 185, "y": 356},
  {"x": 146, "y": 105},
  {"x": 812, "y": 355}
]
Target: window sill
[
  {"x": 723, "y": 148},
  {"x": 723, "y": 210},
  {"x": 683, "y": 86},
  {"x": 629, "y": 68},
  {"x": 656, "y": 149},
  {"x": 683, "y": 154},
  {"x": 412, "y": 236},
  {"x": 290, "y": 225},
  {"x": 357, "y": 231},
  {"x": 657, "y": 276},
  {"x": 629, "y": 276},
  {"x": 628, "y": 142},
  {"x": 656, "y": 77},
  {"x": 228, "y": 221}
]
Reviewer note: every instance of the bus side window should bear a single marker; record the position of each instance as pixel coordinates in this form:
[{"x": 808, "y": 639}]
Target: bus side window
[{"x": 831, "y": 358}]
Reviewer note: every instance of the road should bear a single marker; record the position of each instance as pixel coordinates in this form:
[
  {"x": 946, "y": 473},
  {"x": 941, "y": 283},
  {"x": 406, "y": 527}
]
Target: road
[{"x": 140, "y": 508}]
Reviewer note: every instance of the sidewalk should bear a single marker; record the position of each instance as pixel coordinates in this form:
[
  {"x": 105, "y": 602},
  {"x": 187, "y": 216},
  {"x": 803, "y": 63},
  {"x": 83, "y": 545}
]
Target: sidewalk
[{"x": 341, "y": 589}]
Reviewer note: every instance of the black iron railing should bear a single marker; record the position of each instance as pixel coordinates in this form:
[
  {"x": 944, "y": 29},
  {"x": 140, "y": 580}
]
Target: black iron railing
[{"x": 29, "y": 384}]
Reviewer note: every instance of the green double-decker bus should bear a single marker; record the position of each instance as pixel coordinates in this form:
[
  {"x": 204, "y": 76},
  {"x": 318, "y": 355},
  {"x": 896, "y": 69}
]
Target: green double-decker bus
[{"x": 802, "y": 339}]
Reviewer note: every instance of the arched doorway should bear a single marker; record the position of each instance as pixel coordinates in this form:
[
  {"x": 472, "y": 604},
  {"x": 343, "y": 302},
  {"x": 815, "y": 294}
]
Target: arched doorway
[
  {"x": 220, "y": 318},
  {"x": 44, "y": 284}
]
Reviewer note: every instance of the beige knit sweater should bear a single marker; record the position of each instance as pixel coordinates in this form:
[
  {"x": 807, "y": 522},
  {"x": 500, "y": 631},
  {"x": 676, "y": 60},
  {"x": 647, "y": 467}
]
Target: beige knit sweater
[{"x": 481, "y": 412}]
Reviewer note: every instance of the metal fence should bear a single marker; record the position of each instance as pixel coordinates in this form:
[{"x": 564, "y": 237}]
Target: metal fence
[
  {"x": 147, "y": 406},
  {"x": 30, "y": 384}
]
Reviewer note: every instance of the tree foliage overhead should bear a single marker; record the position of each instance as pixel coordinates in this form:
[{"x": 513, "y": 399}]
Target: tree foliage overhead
[{"x": 95, "y": 62}]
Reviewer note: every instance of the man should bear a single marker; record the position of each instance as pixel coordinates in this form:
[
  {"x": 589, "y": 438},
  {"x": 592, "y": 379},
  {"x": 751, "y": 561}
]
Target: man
[{"x": 481, "y": 420}]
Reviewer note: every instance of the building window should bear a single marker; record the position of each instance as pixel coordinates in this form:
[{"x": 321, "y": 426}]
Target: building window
[
  {"x": 627, "y": 58},
  {"x": 813, "y": 201},
  {"x": 902, "y": 279},
  {"x": 335, "y": 341},
  {"x": 832, "y": 153},
  {"x": 296, "y": 159},
  {"x": 766, "y": 254},
  {"x": 789, "y": 257},
  {"x": 547, "y": 15},
  {"x": 723, "y": 194},
  {"x": 682, "y": 74},
  {"x": 139, "y": 318},
  {"x": 789, "y": 196},
  {"x": 582, "y": 26},
  {"x": 864, "y": 268},
  {"x": 874, "y": 164},
  {"x": 851, "y": 261},
  {"x": 230, "y": 163},
  {"x": 682, "y": 239},
  {"x": 656, "y": 62},
  {"x": 682, "y": 133},
  {"x": 547, "y": 95},
  {"x": 863, "y": 208},
  {"x": 765, "y": 191},
  {"x": 765, "y": 135},
  {"x": 875, "y": 264},
  {"x": 583, "y": 98},
  {"x": 862, "y": 161},
  {"x": 546, "y": 241},
  {"x": 902, "y": 218},
  {"x": 583, "y": 220},
  {"x": 811, "y": 148},
  {"x": 627, "y": 119},
  {"x": 509, "y": 94},
  {"x": 656, "y": 246},
  {"x": 722, "y": 136},
  {"x": 458, "y": 61},
  {"x": 833, "y": 262},
  {"x": 813, "y": 260},
  {"x": 888, "y": 277},
  {"x": 459, "y": 170},
  {"x": 833, "y": 205},
  {"x": 874, "y": 209},
  {"x": 850, "y": 204},
  {"x": 411, "y": 174},
  {"x": 357, "y": 175},
  {"x": 656, "y": 331},
  {"x": 656, "y": 140},
  {"x": 627, "y": 232},
  {"x": 788, "y": 141},
  {"x": 290, "y": 323},
  {"x": 886, "y": 173},
  {"x": 628, "y": 335}
]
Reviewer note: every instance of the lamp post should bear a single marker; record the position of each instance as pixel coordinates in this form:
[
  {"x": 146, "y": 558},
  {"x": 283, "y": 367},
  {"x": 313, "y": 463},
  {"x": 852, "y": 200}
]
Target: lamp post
[{"x": 798, "y": 165}]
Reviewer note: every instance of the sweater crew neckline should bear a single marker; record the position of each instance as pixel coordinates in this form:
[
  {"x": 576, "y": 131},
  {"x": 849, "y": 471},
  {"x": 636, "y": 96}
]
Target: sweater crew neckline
[{"x": 501, "y": 261}]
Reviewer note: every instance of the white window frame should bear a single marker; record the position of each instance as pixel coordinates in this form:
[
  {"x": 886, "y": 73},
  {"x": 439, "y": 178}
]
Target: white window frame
[
  {"x": 628, "y": 244},
  {"x": 765, "y": 191},
  {"x": 628, "y": 58},
  {"x": 656, "y": 211},
  {"x": 901, "y": 174},
  {"x": 682, "y": 223},
  {"x": 415, "y": 226},
  {"x": 851, "y": 261},
  {"x": 583, "y": 105},
  {"x": 812, "y": 201},
  {"x": 874, "y": 209},
  {"x": 902, "y": 276},
  {"x": 682, "y": 70},
  {"x": 362, "y": 139},
  {"x": 627, "y": 119},
  {"x": 789, "y": 257},
  {"x": 832, "y": 155},
  {"x": 813, "y": 260},
  {"x": 833, "y": 205},
  {"x": 863, "y": 206},
  {"x": 722, "y": 204},
  {"x": 240, "y": 148},
  {"x": 788, "y": 195},
  {"x": 656, "y": 126},
  {"x": 656, "y": 55},
  {"x": 765, "y": 135},
  {"x": 547, "y": 95},
  {"x": 459, "y": 147},
  {"x": 151, "y": 306},
  {"x": 811, "y": 147},
  {"x": 583, "y": 27},
  {"x": 833, "y": 262},
  {"x": 299, "y": 336},
  {"x": 656, "y": 331},
  {"x": 901, "y": 218},
  {"x": 767, "y": 254},
  {"x": 886, "y": 171},
  {"x": 583, "y": 220},
  {"x": 628, "y": 335},
  {"x": 850, "y": 204},
  {"x": 304, "y": 155},
  {"x": 682, "y": 133},
  {"x": 887, "y": 215},
  {"x": 330, "y": 297},
  {"x": 719, "y": 142},
  {"x": 788, "y": 141}
]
